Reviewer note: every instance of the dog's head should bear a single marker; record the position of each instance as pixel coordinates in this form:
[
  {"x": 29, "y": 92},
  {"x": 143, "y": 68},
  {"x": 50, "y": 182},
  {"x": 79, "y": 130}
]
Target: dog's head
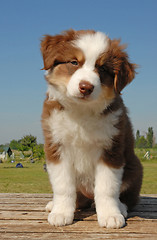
[{"x": 86, "y": 65}]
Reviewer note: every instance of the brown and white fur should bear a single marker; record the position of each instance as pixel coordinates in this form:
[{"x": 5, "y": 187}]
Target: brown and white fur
[{"x": 89, "y": 143}]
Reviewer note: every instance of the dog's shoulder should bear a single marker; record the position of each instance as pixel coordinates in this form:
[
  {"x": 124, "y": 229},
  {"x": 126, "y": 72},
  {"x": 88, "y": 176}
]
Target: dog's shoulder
[{"x": 48, "y": 106}]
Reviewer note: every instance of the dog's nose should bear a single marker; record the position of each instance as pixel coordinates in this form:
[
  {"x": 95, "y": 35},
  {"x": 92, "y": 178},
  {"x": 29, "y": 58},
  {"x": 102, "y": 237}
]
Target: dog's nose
[{"x": 86, "y": 88}]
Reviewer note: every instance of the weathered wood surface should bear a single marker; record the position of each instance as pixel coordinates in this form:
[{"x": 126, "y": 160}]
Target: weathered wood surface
[{"x": 23, "y": 216}]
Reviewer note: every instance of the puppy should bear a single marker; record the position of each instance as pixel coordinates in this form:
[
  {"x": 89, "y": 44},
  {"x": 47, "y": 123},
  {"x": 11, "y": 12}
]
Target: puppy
[{"x": 89, "y": 143}]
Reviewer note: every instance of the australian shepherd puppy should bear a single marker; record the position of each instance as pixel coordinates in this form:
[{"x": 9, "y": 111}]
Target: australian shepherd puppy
[{"x": 89, "y": 143}]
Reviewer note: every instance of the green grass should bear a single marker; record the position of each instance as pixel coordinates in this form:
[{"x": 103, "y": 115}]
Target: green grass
[
  {"x": 140, "y": 152},
  {"x": 30, "y": 179},
  {"x": 149, "y": 185},
  {"x": 33, "y": 179}
]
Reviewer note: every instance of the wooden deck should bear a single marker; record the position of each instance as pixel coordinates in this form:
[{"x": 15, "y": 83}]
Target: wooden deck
[{"x": 23, "y": 216}]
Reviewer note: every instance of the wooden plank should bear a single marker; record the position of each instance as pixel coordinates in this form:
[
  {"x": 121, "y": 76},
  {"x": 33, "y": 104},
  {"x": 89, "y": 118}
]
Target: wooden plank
[
  {"x": 148, "y": 200},
  {"x": 31, "y": 226},
  {"x": 83, "y": 215},
  {"x": 25, "y": 200},
  {"x": 76, "y": 236},
  {"x": 22, "y": 207},
  {"x": 25, "y": 195},
  {"x": 41, "y": 207},
  {"x": 149, "y": 195},
  {"x": 23, "y": 216},
  {"x": 49, "y": 195},
  {"x": 40, "y": 198}
]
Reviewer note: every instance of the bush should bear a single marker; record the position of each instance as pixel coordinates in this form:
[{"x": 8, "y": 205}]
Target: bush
[{"x": 38, "y": 151}]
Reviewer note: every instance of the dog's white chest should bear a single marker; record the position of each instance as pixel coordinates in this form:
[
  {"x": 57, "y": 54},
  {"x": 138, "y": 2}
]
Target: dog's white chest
[
  {"x": 83, "y": 138},
  {"x": 83, "y": 131}
]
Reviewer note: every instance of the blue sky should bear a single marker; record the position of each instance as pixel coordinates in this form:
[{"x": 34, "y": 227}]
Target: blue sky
[{"x": 22, "y": 85}]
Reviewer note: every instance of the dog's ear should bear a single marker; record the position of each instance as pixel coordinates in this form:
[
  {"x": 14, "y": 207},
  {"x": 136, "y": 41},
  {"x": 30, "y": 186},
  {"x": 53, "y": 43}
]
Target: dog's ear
[
  {"x": 124, "y": 76},
  {"x": 53, "y": 48},
  {"x": 48, "y": 51},
  {"x": 124, "y": 70},
  {"x": 50, "y": 48}
]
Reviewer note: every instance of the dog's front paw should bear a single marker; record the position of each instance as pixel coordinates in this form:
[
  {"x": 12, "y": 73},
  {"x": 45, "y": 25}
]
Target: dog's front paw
[
  {"x": 49, "y": 206},
  {"x": 115, "y": 221},
  {"x": 60, "y": 219}
]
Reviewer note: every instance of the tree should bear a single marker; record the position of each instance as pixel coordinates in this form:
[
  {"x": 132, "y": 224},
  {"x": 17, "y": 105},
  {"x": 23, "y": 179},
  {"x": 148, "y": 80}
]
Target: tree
[
  {"x": 39, "y": 151},
  {"x": 1, "y": 148},
  {"x": 137, "y": 138},
  {"x": 145, "y": 142},
  {"x": 137, "y": 135},
  {"x": 14, "y": 144},
  {"x": 142, "y": 142},
  {"x": 150, "y": 135},
  {"x": 28, "y": 142}
]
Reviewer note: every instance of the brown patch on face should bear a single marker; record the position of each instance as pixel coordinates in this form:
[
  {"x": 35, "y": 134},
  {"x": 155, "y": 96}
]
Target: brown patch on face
[
  {"x": 107, "y": 80},
  {"x": 65, "y": 66},
  {"x": 59, "y": 75},
  {"x": 59, "y": 48},
  {"x": 63, "y": 71},
  {"x": 51, "y": 149},
  {"x": 55, "y": 48},
  {"x": 115, "y": 63}
]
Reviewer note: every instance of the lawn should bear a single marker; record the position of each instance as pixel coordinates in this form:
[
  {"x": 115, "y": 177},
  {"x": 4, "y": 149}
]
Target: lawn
[
  {"x": 149, "y": 185},
  {"x": 33, "y": 179},
  {"x": 29, "y": 179}
]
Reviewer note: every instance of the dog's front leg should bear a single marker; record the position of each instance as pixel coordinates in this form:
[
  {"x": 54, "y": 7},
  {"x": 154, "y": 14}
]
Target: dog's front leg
[
  {"x": 64, "y": 193},
  {"x": 107, "y": 189}
]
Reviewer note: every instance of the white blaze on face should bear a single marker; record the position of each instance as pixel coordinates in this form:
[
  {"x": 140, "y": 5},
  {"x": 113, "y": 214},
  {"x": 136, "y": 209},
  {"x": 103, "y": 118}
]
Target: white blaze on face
[{"x": 92, "y": 45}]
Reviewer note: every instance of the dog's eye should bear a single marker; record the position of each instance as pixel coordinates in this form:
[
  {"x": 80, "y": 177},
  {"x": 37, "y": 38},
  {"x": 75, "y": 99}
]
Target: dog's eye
[
  {"x": 74, "y": 62},
  {"x": 56, "y": 63},
  {"x": 103, "y": 68}
]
